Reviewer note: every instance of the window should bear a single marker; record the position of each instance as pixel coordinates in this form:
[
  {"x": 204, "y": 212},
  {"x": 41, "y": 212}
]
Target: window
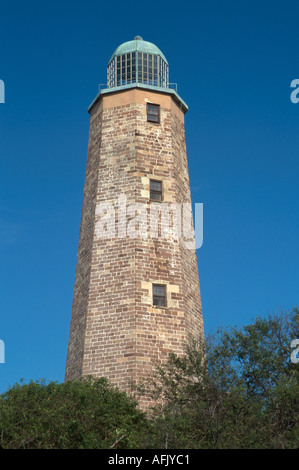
[
  {"x": 156, "y": 190},
  {"x": 159, "y": 295},
  {"x": 153, "y": 112}
]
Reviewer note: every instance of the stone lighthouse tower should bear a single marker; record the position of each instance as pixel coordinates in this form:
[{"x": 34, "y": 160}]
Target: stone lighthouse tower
[{"x": 136, "y": 294}]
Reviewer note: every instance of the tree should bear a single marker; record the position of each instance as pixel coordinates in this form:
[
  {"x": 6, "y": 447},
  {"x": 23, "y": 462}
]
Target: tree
[
  {"x": 239, "y": 389},
  {"x": 87, "y": 413}
]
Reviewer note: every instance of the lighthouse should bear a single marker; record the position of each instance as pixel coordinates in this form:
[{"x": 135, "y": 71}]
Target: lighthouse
[{"x": 136, "y": 294}]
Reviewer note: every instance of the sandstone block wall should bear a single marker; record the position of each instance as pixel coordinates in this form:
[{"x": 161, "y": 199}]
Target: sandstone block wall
[{"x": 115, "y": 330}]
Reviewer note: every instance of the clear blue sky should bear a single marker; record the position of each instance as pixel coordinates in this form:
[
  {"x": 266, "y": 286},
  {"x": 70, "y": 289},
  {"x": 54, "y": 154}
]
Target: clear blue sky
[{"x": 233, "y": 62}]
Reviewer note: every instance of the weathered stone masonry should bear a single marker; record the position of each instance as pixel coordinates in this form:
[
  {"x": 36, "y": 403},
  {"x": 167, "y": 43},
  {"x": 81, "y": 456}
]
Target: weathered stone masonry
[{"x": 115, "y": 330}]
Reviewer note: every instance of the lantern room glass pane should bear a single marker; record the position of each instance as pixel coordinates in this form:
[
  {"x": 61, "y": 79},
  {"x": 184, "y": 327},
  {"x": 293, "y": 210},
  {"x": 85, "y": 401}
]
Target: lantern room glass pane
[{"x": 139, "y": 67}]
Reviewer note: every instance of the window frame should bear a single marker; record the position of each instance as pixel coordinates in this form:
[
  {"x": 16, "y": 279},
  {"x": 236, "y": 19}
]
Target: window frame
[
  {"x": 153, "y": 191},
  {"x": 155, "y": 296},
  {"x": 150, "y": 115}
]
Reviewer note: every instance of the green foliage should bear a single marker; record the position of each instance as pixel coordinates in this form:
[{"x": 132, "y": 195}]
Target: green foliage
[
  {"x": 238, "y": 389},
  {"x": 257, "y": 355},
  {"x": 77, "y": 414}
]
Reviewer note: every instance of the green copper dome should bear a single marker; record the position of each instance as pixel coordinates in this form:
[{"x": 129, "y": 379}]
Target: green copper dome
[{"x": 138, "y": 44}]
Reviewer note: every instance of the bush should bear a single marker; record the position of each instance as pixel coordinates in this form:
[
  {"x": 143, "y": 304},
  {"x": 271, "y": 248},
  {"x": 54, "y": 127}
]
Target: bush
[
  {"x": 239, "y": 389},
  {"x": 78, "y": 414}
]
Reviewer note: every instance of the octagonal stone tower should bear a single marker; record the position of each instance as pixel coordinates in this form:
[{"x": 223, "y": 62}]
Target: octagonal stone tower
[{"x": 136, "y": 295}]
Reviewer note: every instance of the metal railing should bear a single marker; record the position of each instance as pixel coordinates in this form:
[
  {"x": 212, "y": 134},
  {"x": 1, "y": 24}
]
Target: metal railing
[{"x": 172, "y": 86}]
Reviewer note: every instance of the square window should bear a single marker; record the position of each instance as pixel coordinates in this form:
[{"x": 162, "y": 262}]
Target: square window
[
  {"x": 159, "y": 295},
  {"x": 153, "y": 112},
  {"x": 156, "y": 190}
]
